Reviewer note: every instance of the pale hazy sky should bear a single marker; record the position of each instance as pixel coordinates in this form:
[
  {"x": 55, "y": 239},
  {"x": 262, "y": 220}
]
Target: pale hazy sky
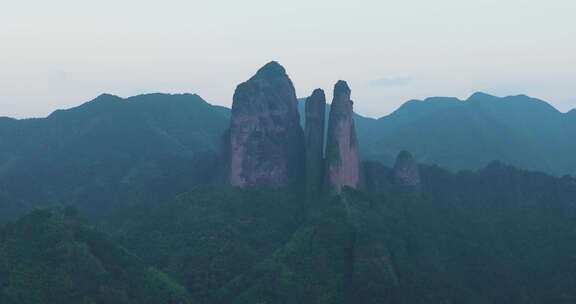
[{"x": 60, "y": 53}]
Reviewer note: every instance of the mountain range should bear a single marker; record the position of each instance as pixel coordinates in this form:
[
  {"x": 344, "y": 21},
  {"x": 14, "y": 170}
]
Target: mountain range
[
  {"x": 167, "y": 199},
  {"x": 164, "y": 143},
  {"x": 467, "y": 134}
]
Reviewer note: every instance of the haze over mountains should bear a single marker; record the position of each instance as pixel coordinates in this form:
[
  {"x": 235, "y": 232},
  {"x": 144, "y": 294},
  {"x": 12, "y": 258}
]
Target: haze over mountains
[
  {"x": 128, "y": 141},
  {"x": 89, "y": 154},
  {"x": 167, "y": 199},
  {"x": 518, "y": 130},
  {"x": 83, "y": 153}
]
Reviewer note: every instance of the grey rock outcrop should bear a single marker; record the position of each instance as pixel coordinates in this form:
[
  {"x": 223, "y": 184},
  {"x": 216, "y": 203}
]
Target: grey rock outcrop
[
  {"x": 342, "y": 144},
  {"x": 406, "y": 170},
  {"x": 315, "y": 109},
  {"x": 266, "y": 141}
]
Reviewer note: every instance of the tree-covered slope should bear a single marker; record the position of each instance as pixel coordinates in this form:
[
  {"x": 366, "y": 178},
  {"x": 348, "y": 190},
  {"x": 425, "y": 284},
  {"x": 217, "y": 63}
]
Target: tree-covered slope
[
  {"x": 110, "y": 151},
  {"x": 208, "y": 237},
  {"x": 496, "y": 235},
  {"x": 469, "y": 134},
  {"x": 49, "y": 257}
]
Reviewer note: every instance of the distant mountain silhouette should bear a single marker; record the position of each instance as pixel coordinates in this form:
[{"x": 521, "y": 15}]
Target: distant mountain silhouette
[
  {"x": 142, "y": 170},
  {"x": 115, "y": 152},
  {"x": 109, "y": 149},
  {"x": 468, "y": 134}
]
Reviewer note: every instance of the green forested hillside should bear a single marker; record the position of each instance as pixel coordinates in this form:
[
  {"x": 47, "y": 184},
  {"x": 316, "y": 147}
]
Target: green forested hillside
[
  {"x": 49, "y": 256},
  {"x": 109, "y": 152},
  {"x": 155, "y": 227},
  {"x": 497, "y": 235},
  {"x": 468, "y": 134}
]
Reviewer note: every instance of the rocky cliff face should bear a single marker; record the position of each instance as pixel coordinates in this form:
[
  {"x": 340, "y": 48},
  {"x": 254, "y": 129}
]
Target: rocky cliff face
[
  {"x": 314, "y": 134},
  {"x": 342, "y": 145},
  {"x": 266, "y": 141},
  {"x": 406, "y": 170}
]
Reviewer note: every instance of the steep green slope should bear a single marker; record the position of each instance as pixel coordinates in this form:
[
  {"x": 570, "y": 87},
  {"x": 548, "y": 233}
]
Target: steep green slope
[
  {"x": 50, "y": 257},
  {"x": 497, "y": 235},
  {"x": 468, "y": 134},
  {"x": 519, "y": 130},
  {"x": 111, "y": 151},
  {"x": 208, "y": 237}
]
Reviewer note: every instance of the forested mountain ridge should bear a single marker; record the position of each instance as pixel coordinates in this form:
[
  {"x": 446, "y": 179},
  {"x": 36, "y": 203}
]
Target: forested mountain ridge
[
  {"x": 495, "y": 235},
  {"x": 109, "y": 152},
  {"x": 50, "y": 256},
  {"x": 184, "y": 202},
  {"x": 96, "y": 153},
  {"x": 468, "y": 134}
]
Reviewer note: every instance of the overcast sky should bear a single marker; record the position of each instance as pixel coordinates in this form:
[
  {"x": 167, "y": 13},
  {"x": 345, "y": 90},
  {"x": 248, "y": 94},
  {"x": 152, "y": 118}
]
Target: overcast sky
[{"x": 60, "y": 53}]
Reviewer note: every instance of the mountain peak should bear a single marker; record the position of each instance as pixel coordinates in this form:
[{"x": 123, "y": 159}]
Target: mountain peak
[
  {"x": 272, "y": 69},
  {"x": 438, "y": 99},
  {"x": 480, "y": 96},
  {"x": 154, "y": 97},
  {"x": 106, "y": 96},
  {"x": 315, "y": 113},
  {"x": 341, "y": 87},
  {"x": 266, "y": 141},
  {"x": 103, "y": 99},
  {"x": 342, "y": 144}
]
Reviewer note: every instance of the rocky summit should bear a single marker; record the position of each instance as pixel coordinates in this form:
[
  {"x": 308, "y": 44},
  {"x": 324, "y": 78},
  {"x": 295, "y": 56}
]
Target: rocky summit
[
  {"x": 266, "y": 145},
  {"x": 342, "y": 144},
  {"x": 314, "y": 133},
  {"x": 406, "y": 170},
  {"x": 266, "y": 141}
]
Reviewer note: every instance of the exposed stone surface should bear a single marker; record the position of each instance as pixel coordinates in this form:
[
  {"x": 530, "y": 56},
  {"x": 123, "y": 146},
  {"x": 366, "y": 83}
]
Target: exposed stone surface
[
  {"x": 266, "y": 140},
  {"x": 406, "y": 170},
  {"x": 314, "y": 133},
  {"x": 342, "y": 145}
]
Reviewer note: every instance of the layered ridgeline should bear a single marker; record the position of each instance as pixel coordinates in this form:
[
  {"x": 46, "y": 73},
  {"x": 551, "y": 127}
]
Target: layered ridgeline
[
  {"x": 468, "y": 134},
  {"x": 497, "y": 235},
  {"x": 113, "y": 152},
  {"x": 404, "y": 234},
  {"x": 109, "y": 152}
]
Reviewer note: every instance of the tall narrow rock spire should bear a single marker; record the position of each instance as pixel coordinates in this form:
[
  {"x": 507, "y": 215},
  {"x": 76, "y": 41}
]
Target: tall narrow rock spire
[
  {"x": 315, "y": 110},
  {"x": 342, "y": 145},
  {"x": 266, "y": 141}
]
